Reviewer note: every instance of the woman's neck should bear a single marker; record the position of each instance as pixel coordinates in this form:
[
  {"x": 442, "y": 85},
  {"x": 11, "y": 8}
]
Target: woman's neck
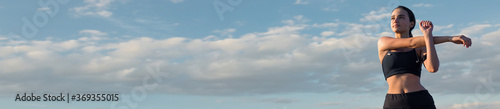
[{"x": 402, "y": 35}]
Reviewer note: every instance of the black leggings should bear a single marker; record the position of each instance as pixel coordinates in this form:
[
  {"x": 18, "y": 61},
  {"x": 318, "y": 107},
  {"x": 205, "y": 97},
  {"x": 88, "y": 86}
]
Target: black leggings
[{"x": 413, "y": 100}]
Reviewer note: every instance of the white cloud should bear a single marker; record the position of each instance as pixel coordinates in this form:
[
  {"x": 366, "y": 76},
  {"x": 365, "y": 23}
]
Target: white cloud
[
  {"x": 104, "y": 13},
  {"x": 332, "y": 9},
  {"x": 93, "y": 8},
  {"x": 300, "y": 2},
  {"x": 422, "y": 5},
  {"x": 332, "y": 5},
  {"x": 176, "y": 1},
  {"x": 39, "y": 55},
  {"x": 92, "y": 32},
  {"x": 70, "y": 44},
  {"x": 386, "y": 34},
  {"x": 475, "y": 29},
  {"x": 125, "y": 72},
  {"x": 381, "y": 14},
  {"x": 284, "y": 29},
  {"x": 91, "y": 35},
  {"x": 327, "y": 33},
  {"x": 493, "y": 105},
  {"x": 491, "y": 38},
  {"x": 43, "y": 9},
  {"x": 448, "y": 29},
  {"x": 439, "y": 28},
  {"x": 226, "y": 32},
  {"x": 209, "y": 67},
  {"x": 3, "y": 38},
  {"x": 325, "y": 25},
  {"x": 298, "y": 20}
]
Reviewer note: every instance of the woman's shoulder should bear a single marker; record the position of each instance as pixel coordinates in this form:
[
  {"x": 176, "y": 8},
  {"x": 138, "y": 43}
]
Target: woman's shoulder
[{"x": 383, "y": 39}]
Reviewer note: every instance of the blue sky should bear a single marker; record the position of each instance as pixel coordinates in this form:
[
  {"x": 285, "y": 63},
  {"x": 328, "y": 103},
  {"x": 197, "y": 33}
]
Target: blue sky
[{"x": 183, "y": 54}]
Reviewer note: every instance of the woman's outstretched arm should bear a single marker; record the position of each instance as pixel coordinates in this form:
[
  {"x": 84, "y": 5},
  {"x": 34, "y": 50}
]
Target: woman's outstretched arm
[
  {"x": 460, "y": 39},
  {"x": 390, "y": 43}
]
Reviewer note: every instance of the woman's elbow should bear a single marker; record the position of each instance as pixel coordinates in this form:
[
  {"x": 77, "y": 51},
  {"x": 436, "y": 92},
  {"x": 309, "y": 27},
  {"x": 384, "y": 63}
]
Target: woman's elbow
[
  {"x": 432, "y": 67},
  {"x": 433, "y": 70}
]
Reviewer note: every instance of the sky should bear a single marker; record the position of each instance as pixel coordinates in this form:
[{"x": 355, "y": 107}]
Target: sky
[{"x": 235, "y": 54}]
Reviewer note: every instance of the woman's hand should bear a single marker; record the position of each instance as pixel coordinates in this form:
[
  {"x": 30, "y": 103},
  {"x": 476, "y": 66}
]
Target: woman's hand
[
  {"x": 461, "y": 39},
  {"x": 426, "y": 26}
]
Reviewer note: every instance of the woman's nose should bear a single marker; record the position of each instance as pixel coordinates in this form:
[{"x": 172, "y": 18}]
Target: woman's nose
[{"x": 396, "y": 20}]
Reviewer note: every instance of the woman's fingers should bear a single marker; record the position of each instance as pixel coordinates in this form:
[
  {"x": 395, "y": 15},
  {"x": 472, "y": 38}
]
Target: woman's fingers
[
  {"x": 426, "y": 23},
  {"x": 470, "y": 42},
  {"x": 467, "y": 41},
  {"x": 463, "y": 42}
]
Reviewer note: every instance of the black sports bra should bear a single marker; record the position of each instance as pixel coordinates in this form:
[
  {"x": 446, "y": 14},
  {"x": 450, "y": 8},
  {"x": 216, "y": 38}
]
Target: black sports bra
[{"x": 401, "y": 62}]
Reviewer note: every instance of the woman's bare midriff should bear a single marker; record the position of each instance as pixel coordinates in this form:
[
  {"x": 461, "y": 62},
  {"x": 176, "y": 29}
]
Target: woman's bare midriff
[{"x": 404, "y": 83}]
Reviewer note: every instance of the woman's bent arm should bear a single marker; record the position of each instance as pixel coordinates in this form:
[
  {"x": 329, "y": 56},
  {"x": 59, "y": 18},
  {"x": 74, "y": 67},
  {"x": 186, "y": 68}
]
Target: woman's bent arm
[{"x": 432, "y": 61}]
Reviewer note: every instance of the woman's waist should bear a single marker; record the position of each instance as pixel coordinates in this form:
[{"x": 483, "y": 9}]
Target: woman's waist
[{"x": 404, "y": 83}]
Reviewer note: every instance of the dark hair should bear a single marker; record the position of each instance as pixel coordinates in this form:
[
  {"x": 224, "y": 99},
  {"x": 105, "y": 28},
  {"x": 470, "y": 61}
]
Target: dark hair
[{"x": 411, "y": 15}]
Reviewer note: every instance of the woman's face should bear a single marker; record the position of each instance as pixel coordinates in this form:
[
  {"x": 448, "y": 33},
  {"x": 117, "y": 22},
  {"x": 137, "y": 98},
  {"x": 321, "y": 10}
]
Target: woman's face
[{"x": 400, "y": 21}]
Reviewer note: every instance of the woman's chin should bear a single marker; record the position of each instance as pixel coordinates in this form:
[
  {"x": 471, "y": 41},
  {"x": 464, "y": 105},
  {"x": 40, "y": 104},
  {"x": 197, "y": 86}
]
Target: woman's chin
[{"x": 398, "y": 30}]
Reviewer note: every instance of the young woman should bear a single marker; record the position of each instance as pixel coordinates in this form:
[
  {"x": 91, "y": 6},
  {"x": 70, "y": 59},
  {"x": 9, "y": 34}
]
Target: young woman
[{"x": 402, "y": 58}]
